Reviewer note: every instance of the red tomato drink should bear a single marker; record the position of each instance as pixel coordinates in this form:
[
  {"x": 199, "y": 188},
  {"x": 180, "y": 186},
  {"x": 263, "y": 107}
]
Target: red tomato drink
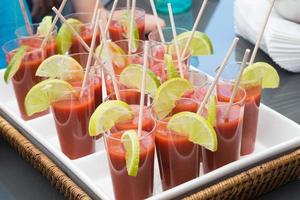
[
  {"x": 25, "y": 77},
  {"x": 178, "y": 158},
  {"x": 118, "y": 26},
  {"x": 71, "y": 119},
  {"x": 125, "y": 186}
]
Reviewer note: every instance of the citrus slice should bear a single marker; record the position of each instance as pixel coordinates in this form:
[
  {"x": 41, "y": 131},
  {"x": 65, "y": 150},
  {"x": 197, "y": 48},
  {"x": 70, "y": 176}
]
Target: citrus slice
[
  {"x": 167, "y": 95},
  {"x": 270, "y": 77},
  {"x": 200, "y": 45},
  {"x": 60, "y": 66},
  {"x": 212, "y": 110},
  {"x": 131, "y": 144},
  {"x": 116, "y": 53},
  {"x": 171, "y": 69},
  {"x": 197, "y": 128},
  {"x": 132, "y": 77},
  {"x": 44, "y": 93},
  {"x": 15, "y": 63},
  {"x": 45, "y": 26},
  {"x": 65, "y": 35},
  {"x": 125, "y": 21},
  {"x": 107, "y": 115}
]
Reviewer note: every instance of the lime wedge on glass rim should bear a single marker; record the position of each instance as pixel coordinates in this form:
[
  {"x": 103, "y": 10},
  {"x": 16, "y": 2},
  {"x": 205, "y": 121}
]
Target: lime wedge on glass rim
[
  {"x": 107, "y": 115},
  {"x": 131, "y": 144},
  {"x": 171, "y": 69},
  {"x": 45, "y": 26},
  {"x": 40, "y": 96},
  {"x": 197, "y": 128},
  {"x": 15, "y": 63},
  {"x": 167, "y": 94},
  {"x": 212, "y": 110},
  {"x": 116, "y": 53},
  {"x": 200, "y": 45},
  {"x": 132, "y": 77},
  {"x": 270, "y": 77},
  {"x": 125, "y": 21},
  {"x": 62, "y": 67},
  {"x": 65, "y": 35}
]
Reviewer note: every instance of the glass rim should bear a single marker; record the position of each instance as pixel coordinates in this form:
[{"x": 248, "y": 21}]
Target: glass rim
[
  {"x": 126, "y": 55},
  {"x": 15, "y": 42},
  {"x": 205, "y": 78},
  {"x": 259, "y": 78},
  {"x": 164, "y": 29},
  {"x": 79, "y": 14},
  {"x": 55, "y": 29},
  {"x": 143, "y": 12},
  {"x": 187, "y": 57}
]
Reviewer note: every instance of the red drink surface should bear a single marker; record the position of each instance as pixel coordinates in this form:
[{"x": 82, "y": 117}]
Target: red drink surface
[
  {"x": 129, "y": 187},
  {"x": 71, "y": 120},
  {"x": 229, "y": 135},
  {"x": 252, "y": 102},
  {"x": 148, "y": 121},
  {"x": 127, "y": 95},
  {"x": 86, "y": 35},
  {"x": 178, "y": 158},
  {"x": 185, "y": 104},
  {"x": 25, "y": 77},
  {"x": 118, "y": 32}
]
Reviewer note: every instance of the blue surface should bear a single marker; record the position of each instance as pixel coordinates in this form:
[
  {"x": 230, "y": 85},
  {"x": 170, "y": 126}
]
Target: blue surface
[{"x": 10, "y": 19}]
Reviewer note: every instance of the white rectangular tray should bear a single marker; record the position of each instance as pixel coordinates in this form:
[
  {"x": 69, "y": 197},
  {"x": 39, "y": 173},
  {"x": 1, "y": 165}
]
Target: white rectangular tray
[{"x": 276, "y": 135}]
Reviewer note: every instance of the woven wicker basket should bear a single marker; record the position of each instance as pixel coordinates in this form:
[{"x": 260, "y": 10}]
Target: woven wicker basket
[{"x": 246, "y": 185}]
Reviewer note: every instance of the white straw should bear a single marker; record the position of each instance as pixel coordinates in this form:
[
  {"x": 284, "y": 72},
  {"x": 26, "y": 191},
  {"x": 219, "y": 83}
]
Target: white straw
[
  {"x": 211, "y": 88},
  {"x": 175, "y": 40},
  {"x": 90, "y": 56},
  {"x": 161, "y": 35},
  {"x": 128, "y": 4},
  {"x": 111, "y": 68},
  {"x": 61, "y": 7},
  {"x": 237, "y": 82},
  {"x": 142, "y": 98},
  {"x": 201, "y": 11},
  {"x": 94, "y": 14},
  {"x": 132, "y": 20},
  {"x": 261, "y": 34},
  {"x": 25, "y": 16}
]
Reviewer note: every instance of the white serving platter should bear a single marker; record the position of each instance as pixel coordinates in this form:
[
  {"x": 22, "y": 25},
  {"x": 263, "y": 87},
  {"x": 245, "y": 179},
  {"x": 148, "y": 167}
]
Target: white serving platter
[{"x": 276, "y": 135}]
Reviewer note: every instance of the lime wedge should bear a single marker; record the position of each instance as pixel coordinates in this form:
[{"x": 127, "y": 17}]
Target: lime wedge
[
  {"x": 197, "y": 128},
  {"x": 65, "y": 35},
  {"x": 44, "y": 93},
  {"x": 125, "y": 21},
  {"x": 212, "y": 110},
  {"x": 60, "y": 66},
  {"x": 171, "y": 69},
  {"x": 15, "y": 63},
  {"x": 200, "y": 45},
  {"x": 131, "y": 144},
  {"x": 107, "y": 115},
  {"x": 44, "y": 26},
  {"x": 132, "y": 77},
  {"x": 270, "y": 77},
  {"x": 167, "y": 94},
  {"x": 116, "y": 53}
]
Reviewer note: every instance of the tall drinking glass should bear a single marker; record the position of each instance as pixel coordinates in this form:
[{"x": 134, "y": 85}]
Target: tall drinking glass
[{"x": 25, "y": 77}]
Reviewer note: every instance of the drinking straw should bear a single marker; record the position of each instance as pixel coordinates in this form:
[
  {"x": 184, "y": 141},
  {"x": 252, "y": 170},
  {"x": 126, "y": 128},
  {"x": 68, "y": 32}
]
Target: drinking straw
[
  {"x": 61, "y": 7},
  {"x": 25, "y": 16},
  {"x": 201, "y": 11},
  {"x": 90, "y": 56},
  {"x": 94, "y": 14},
  {"x": 142, "y": 98},
  {"x": 211, "y": 88},
  {"x": 175, "y": 40},
  {"x": 108, "y": 23},
  {"x": 161, "y": 35},
  {"x": 237, "y": 82},
  {"x": 132, "y": 19},
  {"x": 261, "y": 34},
  {"x": 128, "y": 4},
  {"x": 111, "y": 68}
]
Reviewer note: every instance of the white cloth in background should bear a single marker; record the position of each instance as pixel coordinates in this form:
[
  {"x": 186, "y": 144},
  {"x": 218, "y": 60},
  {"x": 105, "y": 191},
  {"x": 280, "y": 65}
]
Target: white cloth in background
[{"x": 281, "y": 38}]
